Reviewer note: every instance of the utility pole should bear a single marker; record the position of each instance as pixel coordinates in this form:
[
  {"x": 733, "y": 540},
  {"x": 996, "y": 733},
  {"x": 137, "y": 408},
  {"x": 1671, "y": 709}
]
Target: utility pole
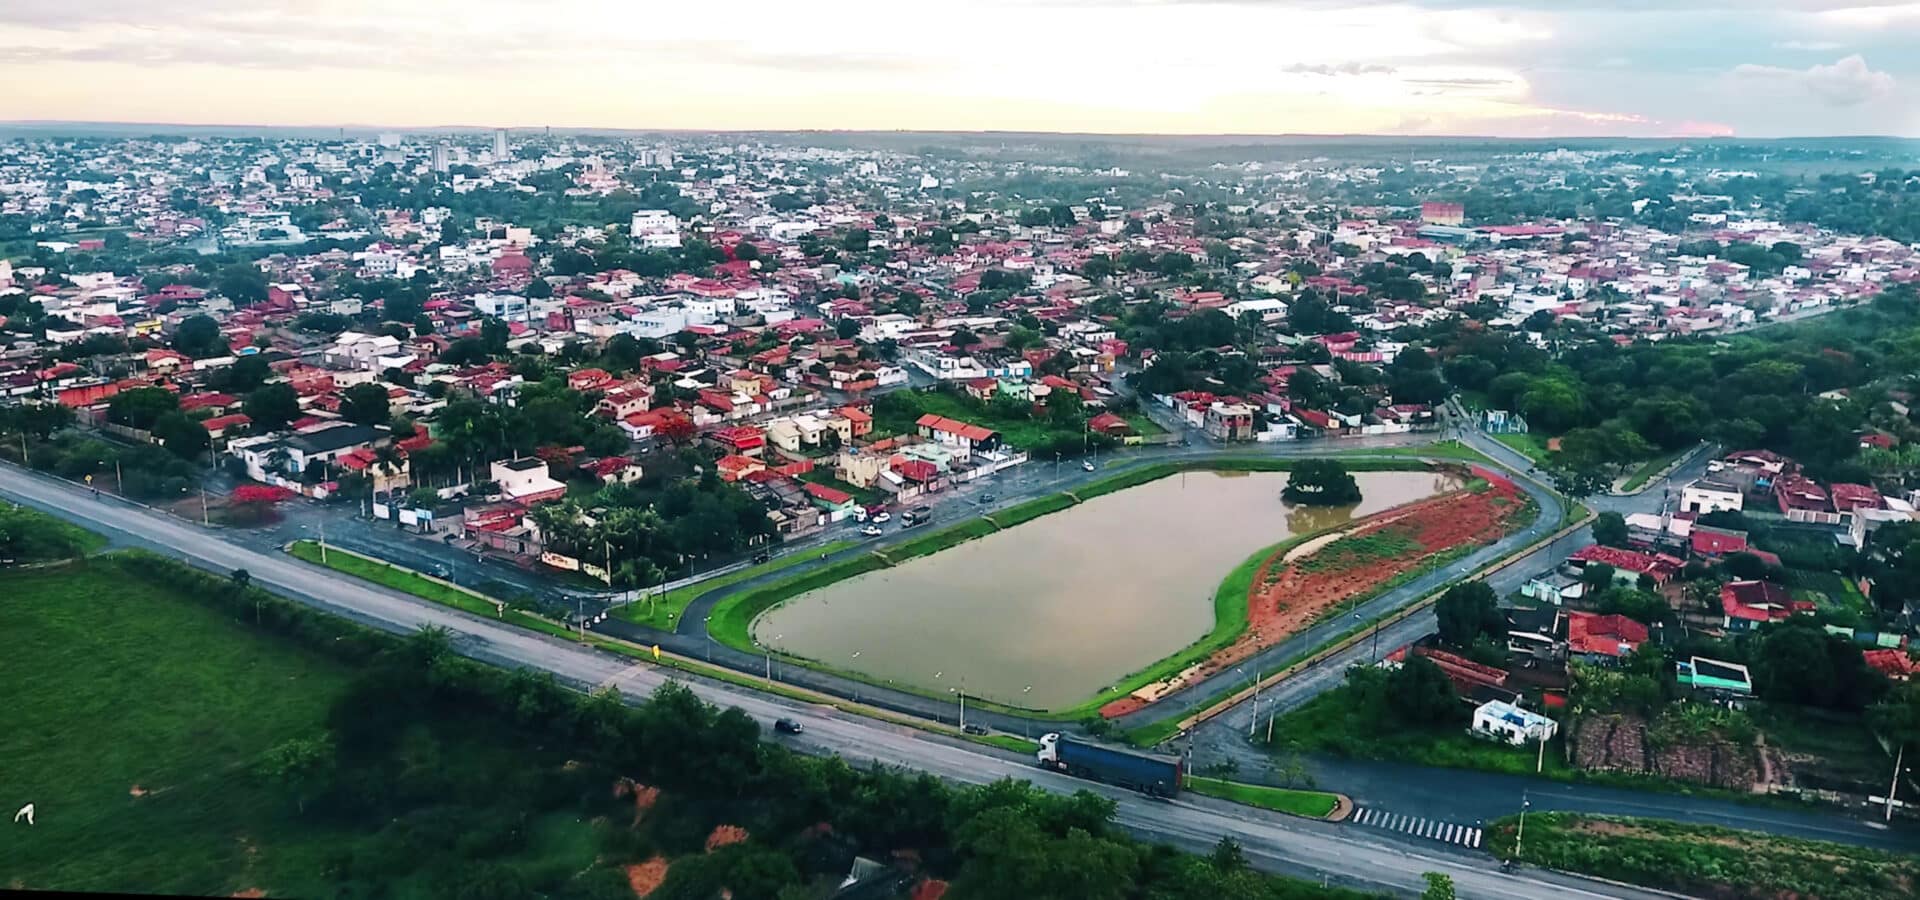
[
  {"x": 1894, "y": 788},
  {"x": 1255, "y": 722},
  {"x": 204, "y": 518},
  {"x": 1521, "y": 832},
  {"x": 323, "y": 540}
]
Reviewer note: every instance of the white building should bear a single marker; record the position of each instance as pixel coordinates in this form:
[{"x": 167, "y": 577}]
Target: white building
[
  {"x": 1506, "y": 722},
  {"x": 1709, "y": 496}
]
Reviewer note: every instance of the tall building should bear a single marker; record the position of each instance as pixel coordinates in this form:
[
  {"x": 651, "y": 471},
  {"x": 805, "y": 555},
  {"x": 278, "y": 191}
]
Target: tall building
[
  {"x": 499, "y": 143},
  {"x": 390, "y": 139},
  {"x": 1443, "y": 214},
  {"x": 440, "y": 160}
]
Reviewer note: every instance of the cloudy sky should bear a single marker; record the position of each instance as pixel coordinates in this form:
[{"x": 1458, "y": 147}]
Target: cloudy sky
[{"x": 1508, "y": 67}]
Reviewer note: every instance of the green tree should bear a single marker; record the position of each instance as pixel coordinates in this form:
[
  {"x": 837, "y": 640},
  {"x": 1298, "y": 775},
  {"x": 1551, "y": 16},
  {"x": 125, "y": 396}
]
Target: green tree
[
  {"x": 185, "y": 437},
  {"x": 242, "y": 283},
  {"x": 272, "y": 407},
  {"x": 1321, "y": 482},
  {"x": 1439, "y": 886},
  {"x": 199, "y": 337},
  {"x": 1610, "y": 528},
  {"x": 141, "y": 407},
  {"x": 1467, "y": 611},
  {"x": 366, "y": 404},
  {"x": 302, "y": 766},
  {"x": 1419, "y": 694}
]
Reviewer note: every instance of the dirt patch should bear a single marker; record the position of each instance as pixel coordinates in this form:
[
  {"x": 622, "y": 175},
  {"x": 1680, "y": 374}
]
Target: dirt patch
[
  {"x": 249, "y": 892},
  {"x": 725, "y": 835},
  {"x": 646, "y": 877},
  {"x": 644, "y": 797},
  {"x": 1620, "y": 743},
  {"x": 1291, "y": 592},
  {"x": 137, "y": 791},
  {"x": 1121, "y": 707}
]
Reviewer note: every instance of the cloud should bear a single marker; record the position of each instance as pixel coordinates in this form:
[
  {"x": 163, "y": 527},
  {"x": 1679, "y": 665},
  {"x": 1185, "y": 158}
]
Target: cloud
[
  {"x": 1815, "y": 46},
  {"x": 1348, "y": 68},
  {"x": 1848, "y": 82}
]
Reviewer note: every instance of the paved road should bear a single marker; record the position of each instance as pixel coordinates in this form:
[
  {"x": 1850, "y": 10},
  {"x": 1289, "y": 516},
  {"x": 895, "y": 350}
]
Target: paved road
[{"x": 1317, "y": 850}]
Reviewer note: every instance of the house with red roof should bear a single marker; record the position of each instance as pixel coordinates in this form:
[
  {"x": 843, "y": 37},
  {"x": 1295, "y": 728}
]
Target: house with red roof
[
  {"x": 1628, "y": 565},
  {"x": 1891, "y": 662},
  {"x": 956, "y": 433},
  {"x": 1709, "y": 542},
  {"x": 1749, "y": 604},
  {"x": 1110, "y": 425},
  {"x": 838, "y": 503},
  {"x": 1849, "y": 497},
  {"x": 744, "y": 440},
  {"x": 1596, "y": 638}
]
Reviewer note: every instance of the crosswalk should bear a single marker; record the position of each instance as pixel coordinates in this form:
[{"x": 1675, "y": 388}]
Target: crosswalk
[{"x": 1433, "y": 829}]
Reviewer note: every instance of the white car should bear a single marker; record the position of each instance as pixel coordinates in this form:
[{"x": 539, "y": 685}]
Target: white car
[
  {"x": 871, "y": 530},
  {"x": 881, "y": 518},
  {"x": 1088, "y": 466}
]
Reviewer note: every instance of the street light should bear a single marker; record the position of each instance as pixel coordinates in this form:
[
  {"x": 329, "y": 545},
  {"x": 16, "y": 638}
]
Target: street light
[{"x": 1521, "y": 832}]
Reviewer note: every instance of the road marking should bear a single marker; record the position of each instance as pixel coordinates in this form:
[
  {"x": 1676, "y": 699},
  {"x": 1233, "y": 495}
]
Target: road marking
[{"x": 1418, "y": 826}]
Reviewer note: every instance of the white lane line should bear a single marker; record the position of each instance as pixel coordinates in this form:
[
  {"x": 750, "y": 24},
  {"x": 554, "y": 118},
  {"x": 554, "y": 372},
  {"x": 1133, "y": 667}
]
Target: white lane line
[
  {"x": 1360, "y": 816},
  {"x": 1476, "y": 839}
]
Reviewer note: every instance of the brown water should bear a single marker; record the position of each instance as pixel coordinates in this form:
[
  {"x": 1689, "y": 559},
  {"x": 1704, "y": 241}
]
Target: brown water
[{"x": 1051, "y": 612}]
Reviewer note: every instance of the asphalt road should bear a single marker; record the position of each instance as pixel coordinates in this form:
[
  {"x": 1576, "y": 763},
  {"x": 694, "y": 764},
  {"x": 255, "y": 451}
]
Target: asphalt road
[{"x": 1333, "y": 853}]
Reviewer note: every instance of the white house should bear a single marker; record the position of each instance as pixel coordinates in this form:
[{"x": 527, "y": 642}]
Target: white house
[
  {"x": 1710, "y": 496},
  {"x": 1504, "y": 721}
]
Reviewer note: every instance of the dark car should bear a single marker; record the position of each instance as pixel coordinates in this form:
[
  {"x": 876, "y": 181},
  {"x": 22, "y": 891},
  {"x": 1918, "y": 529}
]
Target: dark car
[
  {"x": 975, "y": 729},
  {"x": 786, "y": 726}
]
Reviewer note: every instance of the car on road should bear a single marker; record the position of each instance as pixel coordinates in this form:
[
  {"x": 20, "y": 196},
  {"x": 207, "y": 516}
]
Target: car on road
[
  {"x": 974, "y": 729},
  {"x": 882, "y": 518},
  {"x": 1088, "y": 465},
  {"x": 987, "y": 498},
  {"x": 786, "y": 726},
  {"x": 441, "y": 572},
  {"x": 871, "y": 531},
  {"x": 762, "y": 556}
]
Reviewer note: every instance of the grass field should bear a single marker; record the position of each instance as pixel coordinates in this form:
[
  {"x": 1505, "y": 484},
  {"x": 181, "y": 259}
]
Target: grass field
[
  {"x": 1651, "y": 468},
  {"x": 125, "y": 685},
  {"x": 1526, "y": 445},
  {"x": 411, "y": 582},
  {"x": 1312, "y": 804},
  {"x": 1018, "y": 432},
  {"x": 936, "y": 541},
  {"x": 1706, "y": 860},
  {"x": 1030, "y": 510},
  {"x": 1334, "y": 723},
  {"x": 663, "y": 612}
]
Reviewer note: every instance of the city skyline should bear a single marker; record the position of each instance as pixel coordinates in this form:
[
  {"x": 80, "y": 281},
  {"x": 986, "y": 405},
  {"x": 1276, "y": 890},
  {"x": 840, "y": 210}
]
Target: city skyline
[{"x": 1510, "y": 68}]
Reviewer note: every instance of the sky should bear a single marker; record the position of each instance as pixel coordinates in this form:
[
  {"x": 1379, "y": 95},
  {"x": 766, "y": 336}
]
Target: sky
[{"x": 1524, "y": 68}]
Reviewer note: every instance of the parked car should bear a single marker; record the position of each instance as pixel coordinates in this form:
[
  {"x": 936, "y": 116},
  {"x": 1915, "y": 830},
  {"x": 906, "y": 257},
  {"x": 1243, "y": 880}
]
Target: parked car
[
  {"x": 882, "y": 518},
  {"x": 870, "y": 530},
  {"x": 786, "y": 726},
  {"x": 975, "y": 729}
]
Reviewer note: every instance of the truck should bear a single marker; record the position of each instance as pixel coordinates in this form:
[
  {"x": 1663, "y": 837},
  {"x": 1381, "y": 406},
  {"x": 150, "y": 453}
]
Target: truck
[
  {"x": 1155, "y": 776},
  {"x": 919, "y": 515}
]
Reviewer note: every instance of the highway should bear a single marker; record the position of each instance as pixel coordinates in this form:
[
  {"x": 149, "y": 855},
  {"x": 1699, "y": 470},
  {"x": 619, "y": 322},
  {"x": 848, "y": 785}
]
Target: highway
[{"x": 1320, "y": 851}]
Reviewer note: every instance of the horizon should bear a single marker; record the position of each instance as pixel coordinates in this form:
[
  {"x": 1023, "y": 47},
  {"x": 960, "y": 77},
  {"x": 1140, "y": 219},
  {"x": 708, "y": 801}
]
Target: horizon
[
  {"x": 375, "y": 128},
  {"x": 1400, "y": 68}
]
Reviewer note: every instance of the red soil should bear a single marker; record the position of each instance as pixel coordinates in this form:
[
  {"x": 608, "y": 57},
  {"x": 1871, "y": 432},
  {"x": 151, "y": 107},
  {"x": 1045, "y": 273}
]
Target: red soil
[
  {"x": 646, "y": 877},
  {"x": 724, "y": 835},
  {"x": 1285, "y": 599}
]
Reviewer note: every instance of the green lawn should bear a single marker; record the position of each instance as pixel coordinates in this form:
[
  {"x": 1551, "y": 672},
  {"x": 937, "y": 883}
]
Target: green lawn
[
  {"x": 733, "y": 616},
  {"x": 663, "y": 612},
  {"x": 1334, "y": 723},
  {"x": 862, "y": 496},
  {"x": 1527, "y": 445},
  {"x": 1030, "y": 510},
  {"x": 1706, "y": 860},
  {"x": 1651, "y": 468},
  {"x": 127, "y": 685},
  {"x": 28, "y": 535},
  {"x": 1143, "y": 425},
  {"x": 1024, "y": 433},
  {"x": 1005, "y": 742},
  {"x": 936, "y": 541},
  {"x": 411, "y": 582},
  {"x": 1312, "y": 804}
]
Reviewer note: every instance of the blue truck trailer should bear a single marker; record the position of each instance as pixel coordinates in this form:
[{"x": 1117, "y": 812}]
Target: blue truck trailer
[{"x": 1155, "y": 776}]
